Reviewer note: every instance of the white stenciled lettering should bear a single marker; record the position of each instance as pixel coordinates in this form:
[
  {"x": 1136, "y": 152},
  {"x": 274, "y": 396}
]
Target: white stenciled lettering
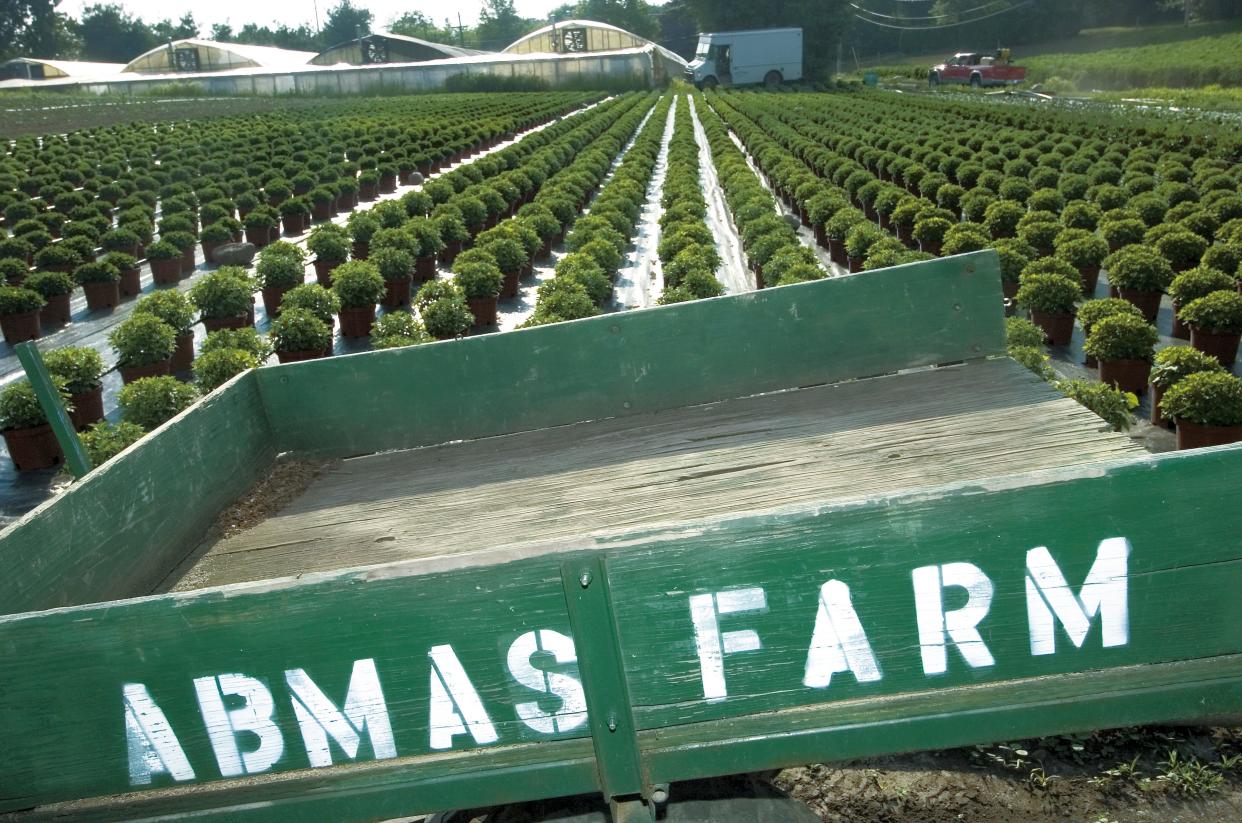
[
  {"x": 365, "y": 712},
  {"x": 455, "y": 705},
  {"x": 153, "y": 745},
  {"x": 713, "y": 644},
  {"x": 253, "y": 715},
  {"x": 838, "y": 643},
  {"x": 1103, "y": 593},
  {"x": 960, "y": 625},
  {"x": 572, "y": 712}
]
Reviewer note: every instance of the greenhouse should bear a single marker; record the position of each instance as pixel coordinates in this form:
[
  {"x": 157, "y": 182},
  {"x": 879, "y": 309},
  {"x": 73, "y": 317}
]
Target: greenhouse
[
  {"x": 32, "y": 68},
  {"x": 588, "y": 36},
  {"x": 197, "y": 56},
  {"x": 386, "y": 47}
]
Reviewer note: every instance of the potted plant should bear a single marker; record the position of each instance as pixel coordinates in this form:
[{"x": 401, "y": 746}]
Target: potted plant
[
  {"x": 104, "y": 441},
  {"x": 331, "y": 246},
  {"x": 1085, "y": 254},
  {"x": 58, "y": 257},
  {"x": 359, "y": 286},
  {"x": 1093, "y": 311},
  {"x": 19, "y": 314},
  {"x": 185, "y": 243},
  {"x": 1123, "y": 346},
  {"x": 480, "y": 282},
  {"x": 368, "y": 184},
  {"x": 1051, "y": 298},
  {"x": 121, "y": 240},
  {"x": 29, "y": 438},
  {"x": 1140, "y": 276},
  {"x": 151, "y": 401},
  {"x": 175, "y": 309},
  {"x": 295, "y": 215},
  {"x": 396, "y": 266},
  {"x": 144, "y": 345},
  {"x": 299, "y": 335},
  {"x": 930, "y": 232},
  {"x": 213, "y": 236},
  {"x": 1207, "y": 407},
  {"x": 1215, "y": 322},
  {"x": 427, "y": 234},
  {"x": 313, "y": 297},
  {"x": 259, "y": 225},
  {"x": 102, "y": 284},
  {"x": 130, "y": 283},
  {"x": 55, "y": 288},
  {"x": 447, "y": 316},
  {"x": 361, "y": 227},
  {"x": 81, "y": 370},
  {"x": 1170, "y": 366},
  {"x": 1182, "y": 248},
  {"x": 215, "y": 368},
  {"x": 223, "y": 299},
  {"x": 453, "y": 232},
  {"x": 276, "y": 275},
  {"x": 1014, "y": 256},
  {"x": 165, "y": 260},
  {"x": 396, "y": 330},
  {"x": 321, "y": 198},
  {"x": 1191, "y": 285}
]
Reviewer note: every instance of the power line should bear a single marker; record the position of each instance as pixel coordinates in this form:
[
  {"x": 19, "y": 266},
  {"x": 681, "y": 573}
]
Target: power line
[
  {"x": 926, "y": 17},
  {"x": 944, "y": 25}
]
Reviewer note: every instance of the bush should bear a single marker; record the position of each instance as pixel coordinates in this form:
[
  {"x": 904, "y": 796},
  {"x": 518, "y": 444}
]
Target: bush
[
  {"x": 931, "y": 229},
  {"x": 1049, "y": 293},
  {"x": 221, "y": 295},
  {"x": 150, "y": 401},
  {"x": 447, "y": 317},
  {"x": 300, "y": 330},
  {"x": 80, "y": 368},
  {"x": 1219, "y": 312},
  {"x": 216, "y": 367},
  {"x": 357, "y": 284},
  {"x": 171, "y": 306},
  {"x": 1172, "y": 364},
  {"x": 279, "y": 271},
  {"x": 1015, "y": 256},
  {"x": 246, "y": 339},
  {"x": 1182, "y": 248},
  {"x": 1138, "y": 268},
  {"x": 104, "y": 441},
  {"x": 1121, "y": 337},
  {"x": 1083, "y": 252},
  {"x": 398, "y": 329},
  {"x": 393, "y": 264},
  {"x": 582, "y": 269},
  {"x": 1093, "y": 311},
  {"x": 561, "y": 299},
  {"x": 143, "y": 339},
  {"x": 47, "y": 284},
  {"x": 20, "y": 408},
  {"x": 1198, "y": 282},
  {"x": 1022, "y": 333},
  {"x": 19, "y": 300},
  {"x": 1209, "y": 398},
  {"x": 1111, "y": 404},
  {"x": 1034, "y": 359},
  {"x": 57, "y": 257}
]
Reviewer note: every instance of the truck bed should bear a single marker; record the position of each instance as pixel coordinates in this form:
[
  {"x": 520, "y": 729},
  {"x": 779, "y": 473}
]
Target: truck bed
[{"x": 554, "y": 489}]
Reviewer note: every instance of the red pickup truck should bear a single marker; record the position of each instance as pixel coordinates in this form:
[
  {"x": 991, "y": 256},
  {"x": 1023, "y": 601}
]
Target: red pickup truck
[{"x": 977, "y": 69}]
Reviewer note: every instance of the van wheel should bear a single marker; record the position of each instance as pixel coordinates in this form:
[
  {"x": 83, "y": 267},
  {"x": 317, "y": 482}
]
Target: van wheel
[
  {"x": 708, "y": 83},
  {"x": 773, "y": 78},
  {"x": 976, "y": 82}
]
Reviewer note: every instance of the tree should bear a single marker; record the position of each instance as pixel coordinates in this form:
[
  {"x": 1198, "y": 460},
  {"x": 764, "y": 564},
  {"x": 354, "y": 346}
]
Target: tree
[
  {"x": 417, "y": 24},
  {"x": 109, "y": 35},
  {"x": 499, "y": 24},
  {"x": 678, "y": 29},
  {"x": 183, "y": 29},
  {"x": 345, "y": 22},
  {"x": 221, "y": 32},
  {"x": 31, "y": 28}
]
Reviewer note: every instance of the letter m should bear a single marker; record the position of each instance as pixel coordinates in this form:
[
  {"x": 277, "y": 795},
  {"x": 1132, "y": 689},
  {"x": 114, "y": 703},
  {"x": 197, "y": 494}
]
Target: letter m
[{"x": 1104, "y": 593}]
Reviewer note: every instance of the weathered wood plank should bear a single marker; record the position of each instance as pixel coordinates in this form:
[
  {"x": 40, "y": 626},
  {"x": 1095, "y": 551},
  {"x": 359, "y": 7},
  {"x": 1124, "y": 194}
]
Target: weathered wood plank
[
  {"x": 119, "y": 532},
  {"x": 1157, "y": 642},
  {"x": 845, "y": 441},
  {"x": 646, "y": 360}
]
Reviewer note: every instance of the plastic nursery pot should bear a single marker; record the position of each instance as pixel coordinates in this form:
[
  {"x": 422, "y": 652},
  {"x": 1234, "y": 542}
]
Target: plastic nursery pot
[
  {"x": 323, "y": 271},
  {"x": 19, "y": 328},
  {"x": 217, "y": 323},
  {"x": 102, "y": 295},
  {"x": 56, "y": 312},
  {"x": 131, "y": 373},
  {"x": 483, "y": 309},
  {"x": 1058, "y": 328},
  {"x": 855, "y": 264},
  {"x": 1224, "y": 347},
  {"x": 293, "y": 224},
  {"x": 425, "y": 268},
  {"x": 34, "y": 448},
  {"x": 1090, "y": 278},
  {"x": 1157, "y": 418},
  {"x": 298, "y": 356},
  {"x": 510, "y": 286},
  {"x": 183, "y": 354},
  {"x": 166, "y": 272},
  {"x": 272, "y": 298},
  {"x": 131, "y": 283},
  {"x": 1180, "y": 330},
  {"x": 1196, "y": 435},
  {"x": 450, "y": 252},
  {"x": 321, "y": 212},
  {"x": 187, "y": 261},
  {"x": 396, "y": 293},
  {"x": 1148, "y": 302},
  {"x": 361, "y": 250},
  {"x": 357, "y": 322},
  {"x": 1127, "y": 375},
  {"x": 258, "y": 237},
  {"x": 821, "y": 238},
  {"x": 87, "y": 408},
  {"x": 368, "y": 191}
]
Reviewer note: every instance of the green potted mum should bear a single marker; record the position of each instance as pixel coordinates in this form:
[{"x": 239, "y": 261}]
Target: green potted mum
[
  {"x": 277, "y": 274},
  {"x": 131, "y": 277},
  {"x": 81, "y": 371},
  {"x": 1215, "y": 322},
  {"x": 1085, "y": 254},
  {"x": 1093, "y": 311},
  {"x": 1207, "y": 407},
  {"x": 359, "y": 286},
  {"x": 1123, "y": 346},
  {"x": 144, "y": 345},
  {"x": 102, "y": 284},
  {"x": 1140, "y": 275},
  {"x": 149, "y": 402},
  {"x": 1171, "y": 365},
  {"x": 19, "y": 314},
  {"x": 215, "y": 368},
  {"x": 175, "y": 309},
  {"x": 1191, "y": 285},
  {"x": 259, "y": 225},
  {"x": 396, "y": 266},
  {"x": 480, "y": 281},
  {"x": 300, "y": 335},
  {"x": 313, "y": 297},
  {"x": 223, "y": 299},
  {"x": 55, "y": 287},
  {"x": 1051, "y": 299},
  {"x": 396, "y": 330},
  {"x": 165, "y": 260},
  {"x": 29, "y": 438}
]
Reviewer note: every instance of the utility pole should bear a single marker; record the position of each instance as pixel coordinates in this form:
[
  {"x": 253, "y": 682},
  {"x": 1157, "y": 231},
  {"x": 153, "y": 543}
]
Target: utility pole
[
  {"x": 461, "y": 32},
  {"x": 318, "y": 30}
]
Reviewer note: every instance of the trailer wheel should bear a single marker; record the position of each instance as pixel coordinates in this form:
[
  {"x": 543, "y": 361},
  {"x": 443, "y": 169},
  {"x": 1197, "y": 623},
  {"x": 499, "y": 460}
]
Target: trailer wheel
[
  {"x": 933, "y": 79},
  {"x": 976, "y": 82},
  {"x": 709, "y": 82},
  {"x": 773, "y": 78}
]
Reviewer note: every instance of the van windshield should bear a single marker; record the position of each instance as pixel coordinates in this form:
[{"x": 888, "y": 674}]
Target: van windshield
[{"x": 704, "y": 47}]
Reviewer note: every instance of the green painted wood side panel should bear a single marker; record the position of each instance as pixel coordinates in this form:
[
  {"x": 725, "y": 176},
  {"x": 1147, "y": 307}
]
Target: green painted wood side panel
[
  {"x": 119, "y": 532},
  {"x": 641, "y": 361},
  {"x": 455, "y": 649}
]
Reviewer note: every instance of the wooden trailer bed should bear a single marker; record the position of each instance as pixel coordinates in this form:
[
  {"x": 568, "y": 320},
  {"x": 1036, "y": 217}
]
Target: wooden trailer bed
[{"x": 484, "y": 499}]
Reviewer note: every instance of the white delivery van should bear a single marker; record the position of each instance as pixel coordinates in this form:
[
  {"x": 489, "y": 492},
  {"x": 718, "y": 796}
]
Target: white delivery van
[{"x": 736, "y": 58}]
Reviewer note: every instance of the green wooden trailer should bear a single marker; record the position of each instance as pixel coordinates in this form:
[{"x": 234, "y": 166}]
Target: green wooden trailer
[{"x": 806, "y": 524}]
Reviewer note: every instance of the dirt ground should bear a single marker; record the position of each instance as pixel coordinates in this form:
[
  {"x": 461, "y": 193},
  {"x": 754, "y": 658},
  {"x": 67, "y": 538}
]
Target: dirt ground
[{"x": 1149, "y": 775}]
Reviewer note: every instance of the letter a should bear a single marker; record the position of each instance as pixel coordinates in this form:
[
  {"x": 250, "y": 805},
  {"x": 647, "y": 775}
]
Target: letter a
[
  {"x": 838, "y": 643},
  {"x": 455, "y": 705},
  {"x": 153, "y": 745}
]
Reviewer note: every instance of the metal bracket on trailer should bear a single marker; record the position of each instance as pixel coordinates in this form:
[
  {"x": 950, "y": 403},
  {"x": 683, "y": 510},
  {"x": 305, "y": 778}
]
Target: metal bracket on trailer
[{"x": 610, "y": 717}]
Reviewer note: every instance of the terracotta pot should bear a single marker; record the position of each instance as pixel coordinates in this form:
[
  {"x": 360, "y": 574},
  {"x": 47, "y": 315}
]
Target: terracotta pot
[
  {"x": 272, "y": 298},
  {"x": 396, "y": 293},
  {"x": 19, "y": 328},
  {"x": 357, "y": 322},
  {"x": 298, "y": 356},
  {"x": 362, "y": 250},
  {"x": 368, "y": 191},
  {"x": 258, "y": 237},
  {"x": 1196, "y": 435},
  {"x": 87, "y": 408},
  {"x": 1180, "y": 330},
  {"x": 131, "y": 283},
  {"x": 388, "y": 183},
  {"x": 102, "y": 295},
  {"x": 217, "y": 323},
  {"x": 323, "y": 272},
  {"x": 510, "y": 286},
  {"x": 187, "y": 260},
  {"x": 1058, "y": 328},
  {"x": 1090, "y": 278},
  {"x": 131, "y": 373},
  {"x": 483, "y": 309},
  {"x": 855, "y": 264},
  {"x": 836, "y": 251},
  {"x": 56, "y": 312},
  {"x": 273, "y": 234},
  {"x": 292, "y": 224},
  {"x": 1224, "y": 347},
  {"x": 425, "y": 268},
  {"x": 1157, "y": 417},
  {"x": 321, "y": 211},
  {"x": 183, "y": 355},
  {"x": 34, "y": 448},
  {"x": 1127, "y": 375},
  {"x": 450, "y": 252},
  {"x": 1148, "y": 302},
  {"x": 166, "y": 272}
]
